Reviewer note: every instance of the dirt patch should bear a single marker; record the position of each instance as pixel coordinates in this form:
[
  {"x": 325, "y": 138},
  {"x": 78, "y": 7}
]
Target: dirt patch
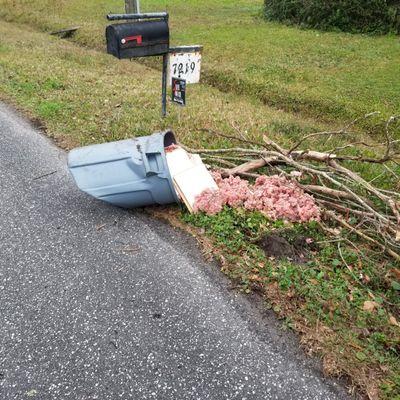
[{"x": 277, "y": 246}]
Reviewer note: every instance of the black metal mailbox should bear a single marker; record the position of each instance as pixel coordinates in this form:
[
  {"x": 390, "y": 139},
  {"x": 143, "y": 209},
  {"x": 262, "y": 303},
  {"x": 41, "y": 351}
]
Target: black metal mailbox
[{"x": 138, "y": 39}]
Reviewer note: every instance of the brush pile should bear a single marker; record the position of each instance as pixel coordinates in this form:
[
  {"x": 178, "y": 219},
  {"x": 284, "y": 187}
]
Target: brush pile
[{"x": 348, "y": 202}]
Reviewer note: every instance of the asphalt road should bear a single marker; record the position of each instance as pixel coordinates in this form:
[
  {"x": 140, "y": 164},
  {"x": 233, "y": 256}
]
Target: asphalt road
[{"x": 102, "y": 303}]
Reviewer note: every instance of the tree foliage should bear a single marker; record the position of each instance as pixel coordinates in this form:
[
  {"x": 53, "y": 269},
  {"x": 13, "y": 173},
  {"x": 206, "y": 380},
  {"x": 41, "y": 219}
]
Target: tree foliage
[{"x": 365, "y": 16}]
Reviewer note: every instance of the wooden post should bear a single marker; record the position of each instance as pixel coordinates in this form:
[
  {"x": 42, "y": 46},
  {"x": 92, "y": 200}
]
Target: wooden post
[{"x": 132, "y": 6}]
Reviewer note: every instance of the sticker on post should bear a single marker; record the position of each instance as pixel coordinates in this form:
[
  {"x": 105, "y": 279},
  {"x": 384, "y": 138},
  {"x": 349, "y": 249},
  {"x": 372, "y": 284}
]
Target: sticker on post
[
  {"x": 185, "y": 66},
  {"x": 179, "y": 91}
]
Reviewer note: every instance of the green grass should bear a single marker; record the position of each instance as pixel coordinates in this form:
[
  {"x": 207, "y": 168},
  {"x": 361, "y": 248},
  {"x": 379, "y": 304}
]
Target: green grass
[
  {"x": 329, "y": 76},
  {"x": 85, "y": 96}
]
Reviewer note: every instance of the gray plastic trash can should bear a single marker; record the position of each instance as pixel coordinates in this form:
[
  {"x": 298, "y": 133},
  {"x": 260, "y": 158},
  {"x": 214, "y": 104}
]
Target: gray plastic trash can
[{"x": 128, "y": 173}]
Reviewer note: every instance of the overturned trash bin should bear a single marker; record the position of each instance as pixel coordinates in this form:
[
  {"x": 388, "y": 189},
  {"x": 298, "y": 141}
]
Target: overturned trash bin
[{"x": 128, "y": 173}]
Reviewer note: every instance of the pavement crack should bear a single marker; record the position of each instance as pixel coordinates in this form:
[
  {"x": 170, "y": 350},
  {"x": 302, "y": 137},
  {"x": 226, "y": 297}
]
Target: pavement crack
[{"x": 44, "y": 175}]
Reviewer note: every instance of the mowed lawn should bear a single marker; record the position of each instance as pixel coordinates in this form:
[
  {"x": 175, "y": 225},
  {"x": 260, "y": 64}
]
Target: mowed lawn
[
  {"x": 324, "y": 75},
  {"x": 85, "y": 96}
]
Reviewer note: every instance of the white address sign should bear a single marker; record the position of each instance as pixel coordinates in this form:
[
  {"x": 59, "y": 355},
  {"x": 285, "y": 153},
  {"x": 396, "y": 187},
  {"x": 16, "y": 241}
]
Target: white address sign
[{"x": 185, "y": 66}]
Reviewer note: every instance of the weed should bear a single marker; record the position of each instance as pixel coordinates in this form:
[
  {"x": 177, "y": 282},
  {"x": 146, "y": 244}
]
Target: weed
[
  {"x": 52, "y": 84},
  {"x": 4, "y": 48},
  {"x": 49, "y": 109}
]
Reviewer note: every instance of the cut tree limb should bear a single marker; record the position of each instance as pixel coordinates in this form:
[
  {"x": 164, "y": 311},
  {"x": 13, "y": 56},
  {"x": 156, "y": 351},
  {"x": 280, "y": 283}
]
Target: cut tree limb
[
  {"x": 339, "y": 194},
  {"x": 342, "y": 222}
]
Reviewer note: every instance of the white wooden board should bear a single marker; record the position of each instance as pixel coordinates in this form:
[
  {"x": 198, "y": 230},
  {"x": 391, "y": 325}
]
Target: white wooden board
[{"x": 192, "y": 182}]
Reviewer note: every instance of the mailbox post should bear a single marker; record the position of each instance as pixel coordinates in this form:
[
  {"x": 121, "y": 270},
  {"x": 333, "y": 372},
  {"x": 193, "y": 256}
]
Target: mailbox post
[
  {"x": 132, "y": 6},
  {"x": 147, "y": 36},
  {"x": 144, "y": 35}
]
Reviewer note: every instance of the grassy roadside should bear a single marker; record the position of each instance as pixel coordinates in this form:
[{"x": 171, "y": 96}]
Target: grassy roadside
[
  {"x": 84, "y": 96},
  {"x": 328, "y": 76}
]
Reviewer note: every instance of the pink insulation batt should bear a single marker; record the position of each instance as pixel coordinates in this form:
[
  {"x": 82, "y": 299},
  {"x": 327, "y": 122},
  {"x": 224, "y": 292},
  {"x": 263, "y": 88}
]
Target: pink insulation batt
[{"x": 276, "y": 196}]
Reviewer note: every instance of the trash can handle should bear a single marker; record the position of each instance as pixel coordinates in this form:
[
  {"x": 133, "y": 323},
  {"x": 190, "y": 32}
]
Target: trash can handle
[{"x": 147, "y": 167}]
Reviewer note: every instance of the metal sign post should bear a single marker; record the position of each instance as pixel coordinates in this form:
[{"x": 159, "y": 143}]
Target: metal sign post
[{"x": 164, "y": 85}]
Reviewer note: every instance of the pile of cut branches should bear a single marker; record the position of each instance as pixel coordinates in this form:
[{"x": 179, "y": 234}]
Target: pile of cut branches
[{"x": 347, "y": 200}]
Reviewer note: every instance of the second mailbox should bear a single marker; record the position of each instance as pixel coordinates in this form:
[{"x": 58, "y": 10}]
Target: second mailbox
[{"x": 138, "y": 39}]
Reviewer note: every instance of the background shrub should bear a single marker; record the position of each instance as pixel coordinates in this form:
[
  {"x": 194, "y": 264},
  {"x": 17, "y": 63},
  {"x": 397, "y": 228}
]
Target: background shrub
[{"x": 365, "y": 16}]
